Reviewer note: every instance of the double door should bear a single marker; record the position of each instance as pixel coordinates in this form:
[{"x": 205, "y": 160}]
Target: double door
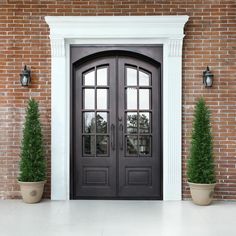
[{"x": 116, "y": 129}]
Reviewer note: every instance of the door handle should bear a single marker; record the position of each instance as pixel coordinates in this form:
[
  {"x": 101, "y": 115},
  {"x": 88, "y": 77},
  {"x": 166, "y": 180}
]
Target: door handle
[
  {"x": 113, "y": 137},
  {"x": 121, "y": 136}
]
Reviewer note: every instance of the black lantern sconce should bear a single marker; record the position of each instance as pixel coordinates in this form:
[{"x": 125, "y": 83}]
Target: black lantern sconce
[
  {"x": 25, "y": 77},
  {"x": 207, "y": 78}
]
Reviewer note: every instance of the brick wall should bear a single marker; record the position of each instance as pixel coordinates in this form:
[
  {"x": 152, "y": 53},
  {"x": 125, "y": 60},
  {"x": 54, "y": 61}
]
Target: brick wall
[{"x": 210, "y": 40}]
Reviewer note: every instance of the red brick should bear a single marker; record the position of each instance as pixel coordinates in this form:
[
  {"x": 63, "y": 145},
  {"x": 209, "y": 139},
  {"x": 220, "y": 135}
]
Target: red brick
[{"x": 210, "y": 40}]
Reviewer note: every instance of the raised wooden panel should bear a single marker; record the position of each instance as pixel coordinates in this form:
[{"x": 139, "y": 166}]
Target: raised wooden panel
[
  {"x": 138, "y": 176},
  {"x": 95, "y": 176}
]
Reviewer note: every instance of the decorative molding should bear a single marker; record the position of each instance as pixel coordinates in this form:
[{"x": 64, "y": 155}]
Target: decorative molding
[
  {"x": 119, "y": 30},
  {"x": 116, "y": 26},
  {"x": 58, "y": 47},
  {"x": 175, "y": 47}
]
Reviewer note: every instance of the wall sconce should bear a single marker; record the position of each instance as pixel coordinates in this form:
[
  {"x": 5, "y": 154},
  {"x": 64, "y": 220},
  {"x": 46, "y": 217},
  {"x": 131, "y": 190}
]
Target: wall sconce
[
  {"x": 25, "y": 77},
  {"x": 207, "y": 78}
]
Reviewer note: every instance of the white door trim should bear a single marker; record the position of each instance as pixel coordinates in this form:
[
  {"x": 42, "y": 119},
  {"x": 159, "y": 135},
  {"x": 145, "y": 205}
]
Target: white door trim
[{"x": 121, "y": 30}]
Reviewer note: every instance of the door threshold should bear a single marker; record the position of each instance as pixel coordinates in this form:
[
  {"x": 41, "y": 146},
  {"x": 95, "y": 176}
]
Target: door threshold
[{"x": 119, "y": 198}]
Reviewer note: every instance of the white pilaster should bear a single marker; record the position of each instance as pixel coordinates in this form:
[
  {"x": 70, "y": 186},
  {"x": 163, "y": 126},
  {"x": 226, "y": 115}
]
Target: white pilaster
[
  {"x": 59, "y": 120},
  {"x": 172, "y": 113}
]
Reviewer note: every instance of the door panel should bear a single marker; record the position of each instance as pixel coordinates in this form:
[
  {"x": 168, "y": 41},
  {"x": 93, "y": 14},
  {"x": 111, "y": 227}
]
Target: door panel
[
  {"x": 117, "y": 129},
  {"x": 139, "y": 113},
  {"x": 95, "y": 114}
]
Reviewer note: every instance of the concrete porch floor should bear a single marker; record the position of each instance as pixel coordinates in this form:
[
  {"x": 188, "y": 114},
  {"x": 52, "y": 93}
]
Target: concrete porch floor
[{"x": 116, "y": 218}]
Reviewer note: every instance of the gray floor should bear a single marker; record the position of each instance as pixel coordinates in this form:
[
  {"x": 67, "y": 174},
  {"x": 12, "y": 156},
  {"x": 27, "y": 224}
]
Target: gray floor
[{"x": 113, "y": 218}]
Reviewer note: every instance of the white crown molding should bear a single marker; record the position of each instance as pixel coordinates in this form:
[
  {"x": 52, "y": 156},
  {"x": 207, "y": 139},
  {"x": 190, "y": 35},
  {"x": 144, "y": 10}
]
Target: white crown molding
[
  {"x": 124, "y": 30},
  {"x": 122, "y": 27},
  {"x": 116, "y": 26}
]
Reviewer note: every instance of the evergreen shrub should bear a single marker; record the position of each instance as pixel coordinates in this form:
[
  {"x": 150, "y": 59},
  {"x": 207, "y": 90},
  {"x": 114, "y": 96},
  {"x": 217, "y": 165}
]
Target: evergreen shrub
[
  {"x": 200, "y": 166},
  {"x": 32, "y": 163}
]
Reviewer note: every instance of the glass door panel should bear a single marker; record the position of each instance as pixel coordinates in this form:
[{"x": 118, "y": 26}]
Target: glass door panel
[
  {"x": 96, "y": 112},
  {"x": 138, "y": 111}
]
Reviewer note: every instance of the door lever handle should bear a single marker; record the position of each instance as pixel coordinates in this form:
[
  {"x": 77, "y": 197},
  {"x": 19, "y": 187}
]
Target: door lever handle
[
  {"x": 121, "y": 136},
  {"x": 113, "y": 137}
]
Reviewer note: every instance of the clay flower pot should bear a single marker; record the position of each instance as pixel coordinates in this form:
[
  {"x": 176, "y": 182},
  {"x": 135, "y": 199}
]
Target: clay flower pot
[
  {"x": 202, "y": 194},
  {"x": 32, "y": 192}
]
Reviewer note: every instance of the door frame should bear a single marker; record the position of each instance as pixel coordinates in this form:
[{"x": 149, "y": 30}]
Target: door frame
[
  {"x": 121, "y": 30},
  {"x": 140, "y": 53}
]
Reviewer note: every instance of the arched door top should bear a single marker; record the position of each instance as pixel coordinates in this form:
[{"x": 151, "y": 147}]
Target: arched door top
[{"x": 119, "y": 53}]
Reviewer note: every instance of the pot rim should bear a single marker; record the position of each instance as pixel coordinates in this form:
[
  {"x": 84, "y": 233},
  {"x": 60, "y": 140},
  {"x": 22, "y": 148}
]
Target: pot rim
[
  {"x": 29, "y": 183},
  {"x": 199, "y": 184}
]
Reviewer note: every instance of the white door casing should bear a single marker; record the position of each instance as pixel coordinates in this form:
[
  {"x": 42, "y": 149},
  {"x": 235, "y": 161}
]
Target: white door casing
[{"x": 120, "y": 30}]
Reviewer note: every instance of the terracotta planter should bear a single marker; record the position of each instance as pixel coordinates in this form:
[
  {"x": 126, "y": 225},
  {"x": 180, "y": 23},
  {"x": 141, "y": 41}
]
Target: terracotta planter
[
  {"x": 202, "y": 194},
  {"x": 31, "y": 192}
]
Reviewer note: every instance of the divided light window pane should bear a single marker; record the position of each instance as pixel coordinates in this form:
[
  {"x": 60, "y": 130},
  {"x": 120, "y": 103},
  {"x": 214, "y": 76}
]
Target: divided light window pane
[
  {"x": 102, "y": 122},
  {"x": 89, "y": 122},
  {"x": 144, "y": 145},
  {"x": 89, "y": 98},
  {"x": 102, "y": 145},
  {"x": 89, "y": 145},
  {"x": 132, "y": 122},
  {"x": 102, "y": 76},
  {"x": 131, "y": 76},
  {"x": 131, "y": 95},
  {"x": 144, "y": 79},
  {"x": 132, "y": 145},
  {"x": 101, "y": 98},
  {"x": 144, "y": 99},
  {"x": 89, "y": 78},
  {"x": 144, "y": 122}
]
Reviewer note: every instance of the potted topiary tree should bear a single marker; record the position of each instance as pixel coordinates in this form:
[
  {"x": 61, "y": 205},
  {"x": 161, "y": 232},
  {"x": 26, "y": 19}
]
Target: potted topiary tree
[
  {"x": 32, "y": 164},
  {"x": 200, "y": 168}
]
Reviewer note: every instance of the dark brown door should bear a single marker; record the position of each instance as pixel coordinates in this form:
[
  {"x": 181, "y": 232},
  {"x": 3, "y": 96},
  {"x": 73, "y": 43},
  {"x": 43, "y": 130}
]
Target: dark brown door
[{"x": 116, "y": 129}]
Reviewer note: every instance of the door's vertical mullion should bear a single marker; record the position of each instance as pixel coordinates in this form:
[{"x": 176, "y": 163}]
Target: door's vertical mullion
[
  {"x": 112, "y": 109},
  {"x": 120, "y": 106}
]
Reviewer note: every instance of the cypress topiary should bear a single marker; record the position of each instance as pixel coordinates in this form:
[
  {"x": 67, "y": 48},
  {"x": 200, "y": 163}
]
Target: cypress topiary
[
  {"x": 32, "y": 163},
  {"x": 200, "y": 168}
]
